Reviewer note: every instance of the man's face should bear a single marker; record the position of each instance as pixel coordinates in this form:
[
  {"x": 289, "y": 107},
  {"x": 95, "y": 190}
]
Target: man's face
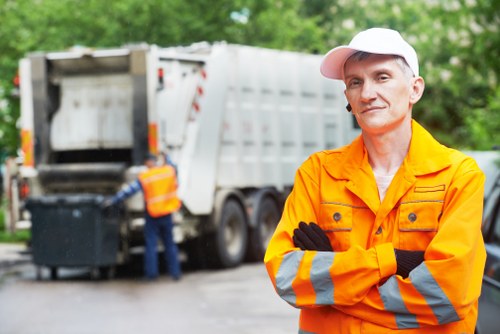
[
  {"x": 380, "y": 93},
  {"x": 150, "y": 163}
]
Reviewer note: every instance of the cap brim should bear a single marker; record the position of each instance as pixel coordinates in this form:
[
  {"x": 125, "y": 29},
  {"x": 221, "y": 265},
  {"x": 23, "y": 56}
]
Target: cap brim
[{"x": 332, "y": 65}]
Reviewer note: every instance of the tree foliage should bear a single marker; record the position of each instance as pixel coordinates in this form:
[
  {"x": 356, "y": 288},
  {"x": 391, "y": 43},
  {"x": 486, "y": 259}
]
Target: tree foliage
[{"x": 458, "y": 43}]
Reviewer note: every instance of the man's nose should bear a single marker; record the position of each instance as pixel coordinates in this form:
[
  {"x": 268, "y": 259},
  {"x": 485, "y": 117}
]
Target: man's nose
[{"x": 368, "y": 91}]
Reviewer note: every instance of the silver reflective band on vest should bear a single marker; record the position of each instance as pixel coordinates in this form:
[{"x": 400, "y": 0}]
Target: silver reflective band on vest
[
  {"x": 393, "y": 302},
  {"x": 423, "y": 281},
  {"x": 160, "y": 198},
  {"x": 321, "y": 278},
  {"x": 286, "y": 274},
  {"x": 157, "y": 177}
]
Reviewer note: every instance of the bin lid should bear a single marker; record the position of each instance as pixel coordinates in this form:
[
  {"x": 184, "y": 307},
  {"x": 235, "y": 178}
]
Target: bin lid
[{"x": 65, "y": 199}]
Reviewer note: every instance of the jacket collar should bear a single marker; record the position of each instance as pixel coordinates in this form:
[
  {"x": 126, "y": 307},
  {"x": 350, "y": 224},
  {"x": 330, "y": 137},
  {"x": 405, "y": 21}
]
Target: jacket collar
[
  {"x": 426, "y": 154},
  {"x": 354, "y": 158}
]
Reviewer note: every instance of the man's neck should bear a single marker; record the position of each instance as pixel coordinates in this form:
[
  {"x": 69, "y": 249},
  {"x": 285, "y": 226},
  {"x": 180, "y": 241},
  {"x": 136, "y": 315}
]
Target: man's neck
[{"x": 387, "y": 151}]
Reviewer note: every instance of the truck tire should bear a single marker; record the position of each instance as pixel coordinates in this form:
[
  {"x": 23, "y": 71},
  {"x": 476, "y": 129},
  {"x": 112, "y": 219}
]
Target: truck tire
[
  {"x": 228, "y": 243},
  {"x": 268, "y": 215}
]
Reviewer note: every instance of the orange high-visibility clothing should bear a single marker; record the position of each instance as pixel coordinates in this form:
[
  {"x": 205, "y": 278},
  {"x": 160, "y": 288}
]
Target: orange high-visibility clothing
[
  {"x": 433, "y": 204},
  {"x": 159, "y": 185}
]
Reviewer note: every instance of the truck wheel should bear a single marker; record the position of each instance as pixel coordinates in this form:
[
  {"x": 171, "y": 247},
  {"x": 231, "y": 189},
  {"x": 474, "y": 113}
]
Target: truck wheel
[
  {"x": 268, "y": 216},
  {"x": 228, "y": 243}
]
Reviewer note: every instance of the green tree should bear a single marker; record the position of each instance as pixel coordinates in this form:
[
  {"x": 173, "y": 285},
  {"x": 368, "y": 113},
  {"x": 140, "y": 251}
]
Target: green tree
[
  {"x": 458, "y": 43},
  {"x": 47, "y": 25}
]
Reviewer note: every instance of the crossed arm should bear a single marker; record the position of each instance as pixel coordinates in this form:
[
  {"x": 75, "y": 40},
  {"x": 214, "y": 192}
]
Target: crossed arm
[{"x": 311, "y": 237}]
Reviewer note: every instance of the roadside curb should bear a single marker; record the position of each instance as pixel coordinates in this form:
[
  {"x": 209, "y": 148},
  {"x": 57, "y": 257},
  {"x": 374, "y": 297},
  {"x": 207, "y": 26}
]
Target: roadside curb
[{"x": 12, "y": 255}]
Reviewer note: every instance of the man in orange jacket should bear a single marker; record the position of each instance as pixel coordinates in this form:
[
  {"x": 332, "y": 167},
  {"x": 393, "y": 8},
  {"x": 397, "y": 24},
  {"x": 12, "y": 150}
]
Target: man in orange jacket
[
  {"x": 159, "y": 186},
  {"x": 382, "y": 235}
]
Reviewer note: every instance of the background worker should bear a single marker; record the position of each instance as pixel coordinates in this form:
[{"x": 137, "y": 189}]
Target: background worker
[
  {"x": 382, "y": 235},
  {"x": 159, "y": 186}
]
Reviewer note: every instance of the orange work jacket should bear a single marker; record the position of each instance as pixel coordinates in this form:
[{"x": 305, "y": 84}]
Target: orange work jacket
[
  {"x": 433, "y": 204},
  {"x": 159, "y": 185}
]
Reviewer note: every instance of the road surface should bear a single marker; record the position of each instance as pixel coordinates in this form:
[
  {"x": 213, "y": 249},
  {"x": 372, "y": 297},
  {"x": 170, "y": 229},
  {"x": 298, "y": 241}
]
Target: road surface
[{"x": 233, "y": 301}]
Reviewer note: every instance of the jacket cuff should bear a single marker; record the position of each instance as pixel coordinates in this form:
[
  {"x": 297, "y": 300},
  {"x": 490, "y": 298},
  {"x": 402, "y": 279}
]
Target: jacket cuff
[{"x": 386, "y": 260}]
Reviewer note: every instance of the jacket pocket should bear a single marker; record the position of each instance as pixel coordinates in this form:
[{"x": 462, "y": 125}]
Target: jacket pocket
[
  {"x": 336, "y": 221},
  {"x": 418, "y": 223}
]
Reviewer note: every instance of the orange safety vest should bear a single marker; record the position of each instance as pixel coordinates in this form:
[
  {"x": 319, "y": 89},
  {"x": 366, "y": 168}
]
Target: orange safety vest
[
  {"x": 434, "y": 203},
  {"x": 159, "y": 185}
]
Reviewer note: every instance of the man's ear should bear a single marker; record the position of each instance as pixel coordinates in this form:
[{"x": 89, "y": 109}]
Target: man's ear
[
  {"x": 348, "y": 106},
  {"x": 417, "y": 89}
]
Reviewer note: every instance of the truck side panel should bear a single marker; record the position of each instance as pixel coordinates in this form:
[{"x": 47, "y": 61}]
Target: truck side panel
[
  {"x": 261, "y": 114},
  {"x": 199, "y": 162},
  {"x": 41, "y": 109},
  {"x": 279, "y": 110},
  {"x": 138, "y": 70}
]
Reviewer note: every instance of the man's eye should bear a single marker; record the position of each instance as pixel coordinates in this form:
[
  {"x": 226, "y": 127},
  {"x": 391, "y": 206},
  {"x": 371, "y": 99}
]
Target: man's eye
[
  {"x": 354, "y": 83},
  {"x": 383, "y": 77}
]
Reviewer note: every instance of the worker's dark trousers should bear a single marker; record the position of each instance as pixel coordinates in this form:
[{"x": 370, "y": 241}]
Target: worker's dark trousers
[{"x": 155, "y": 228}]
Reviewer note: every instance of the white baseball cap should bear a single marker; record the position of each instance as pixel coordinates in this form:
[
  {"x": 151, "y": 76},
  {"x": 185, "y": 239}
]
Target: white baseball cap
[{"x": 375, "y": 40}]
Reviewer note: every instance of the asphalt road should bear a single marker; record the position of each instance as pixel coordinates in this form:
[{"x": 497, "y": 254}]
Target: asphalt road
[{"x": 239, "y": 300}]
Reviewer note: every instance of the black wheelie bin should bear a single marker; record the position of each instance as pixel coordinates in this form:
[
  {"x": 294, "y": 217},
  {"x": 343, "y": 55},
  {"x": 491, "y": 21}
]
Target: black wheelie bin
[{"x": 74, "y": 230}]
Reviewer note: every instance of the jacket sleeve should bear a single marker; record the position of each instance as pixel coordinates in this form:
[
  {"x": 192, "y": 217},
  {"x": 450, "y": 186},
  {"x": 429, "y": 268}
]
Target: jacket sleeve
[
  {"x": 447, "y": 284},
  {"x": 311, "y": 278},
  {"x": 129, "y": 190}
]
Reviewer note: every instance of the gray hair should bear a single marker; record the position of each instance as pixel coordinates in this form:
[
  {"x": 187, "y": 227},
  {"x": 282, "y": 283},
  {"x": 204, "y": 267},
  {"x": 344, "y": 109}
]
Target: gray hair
[{"x": 361, "y": 55}]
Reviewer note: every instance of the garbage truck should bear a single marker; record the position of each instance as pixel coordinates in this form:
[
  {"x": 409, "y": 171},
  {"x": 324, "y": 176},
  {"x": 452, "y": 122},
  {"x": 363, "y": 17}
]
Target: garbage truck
[{"x": 237, "y": 121}]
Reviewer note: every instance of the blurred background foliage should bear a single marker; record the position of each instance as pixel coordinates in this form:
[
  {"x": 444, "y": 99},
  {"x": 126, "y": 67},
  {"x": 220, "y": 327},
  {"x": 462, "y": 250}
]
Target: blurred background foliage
[{"x": 458, "y": 43}]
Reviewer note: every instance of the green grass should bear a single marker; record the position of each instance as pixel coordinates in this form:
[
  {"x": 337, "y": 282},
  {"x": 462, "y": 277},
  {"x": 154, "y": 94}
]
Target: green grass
[
  {"x": 18, "y": 236},
  {"x": 7, "y": 236}
]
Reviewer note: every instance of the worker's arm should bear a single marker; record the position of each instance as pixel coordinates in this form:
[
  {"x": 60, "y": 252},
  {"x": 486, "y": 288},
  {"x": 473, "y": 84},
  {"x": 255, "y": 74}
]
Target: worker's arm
[
  {"x": 312, "y": 238},
  {"x": 447, "y": 284},
  {"x": 130, "y": 189},
  {"x": 313, "y": 278}
]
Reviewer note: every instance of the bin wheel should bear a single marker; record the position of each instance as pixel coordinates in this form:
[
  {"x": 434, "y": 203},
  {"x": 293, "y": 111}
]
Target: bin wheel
[
  {"x": 102, "y": 273},
  {"x": 94, "y": 273},
  {"x": 53, "y": 273},
  {"x": 38, "y": 273},
  {"x": 107, "y": 272}
]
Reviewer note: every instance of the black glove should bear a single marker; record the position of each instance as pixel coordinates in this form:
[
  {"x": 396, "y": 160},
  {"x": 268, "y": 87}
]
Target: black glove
[
  {"x": 311, "y": 237},
  {"x": 407, "y": 261}
]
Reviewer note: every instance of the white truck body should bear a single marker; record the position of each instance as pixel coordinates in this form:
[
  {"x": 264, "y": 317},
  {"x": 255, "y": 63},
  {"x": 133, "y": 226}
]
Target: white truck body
[{"x": 236, "y": 120}]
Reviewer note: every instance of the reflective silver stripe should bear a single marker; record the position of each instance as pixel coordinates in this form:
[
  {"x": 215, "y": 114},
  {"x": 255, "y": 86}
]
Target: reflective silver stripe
[
  {"x": 305, "y": 332},
  {"x": 286, "y": 274},
  {"x": 156, "y": 177},
  {"x": 435, "y": 297},
  {"x": 321, "y": 279},
  {"x": 162, "y": 197},
  {"x": 393, "y": 301}
]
